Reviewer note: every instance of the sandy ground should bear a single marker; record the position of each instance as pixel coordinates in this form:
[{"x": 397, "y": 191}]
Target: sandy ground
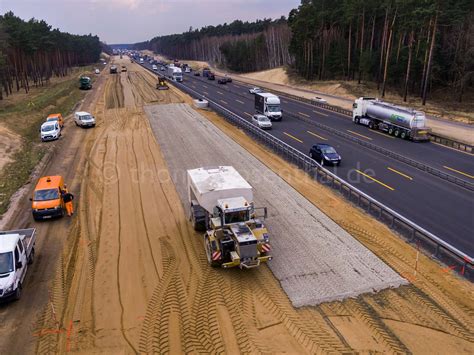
[
  {"x": 9, "y": 144},
  {"x": 132, "y": 276}
]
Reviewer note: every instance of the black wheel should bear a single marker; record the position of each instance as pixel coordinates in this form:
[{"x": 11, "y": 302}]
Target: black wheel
[
  {"x": 403, "y": 135},
  {"x": 397, "y": 133},
  {"x": 357, "y": 120},
  {"x": 390, "y": 131},
  {"x": 18, "y": 292},
  {"x": 207, "y": 246},
  {"x": 371, "y": 125},
  {"x": 32, "y": 257}
]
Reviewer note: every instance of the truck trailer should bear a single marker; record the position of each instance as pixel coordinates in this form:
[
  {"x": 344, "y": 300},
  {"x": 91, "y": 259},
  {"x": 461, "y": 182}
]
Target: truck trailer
[
  {"x": 398, "y": 121},
  {"x": 175, "y": 74},
  {"x": 221, "y": 203},
  {"x": 268, "y": 105},
  {"x": 17, "y": 250}
]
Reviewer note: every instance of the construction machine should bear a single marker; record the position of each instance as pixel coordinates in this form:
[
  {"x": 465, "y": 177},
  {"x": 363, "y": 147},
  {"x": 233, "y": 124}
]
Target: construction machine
[
  {"x": 221, "y": 203},
  {"x": 162, "y": 85}
]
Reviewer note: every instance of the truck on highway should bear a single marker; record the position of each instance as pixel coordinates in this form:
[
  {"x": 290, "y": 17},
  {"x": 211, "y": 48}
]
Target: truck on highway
[
  {"x": 205, "y": 72},
  {"x": 221, "y": 203},
  {"x": 113, "y": 69},
  {"x": 398, "y": 121},
  {"x": 17, "y": 250},
  {"x": 175, "y": 74},
  {"x": 85, "y": 83},
  {"x": 269, "y": 105}
]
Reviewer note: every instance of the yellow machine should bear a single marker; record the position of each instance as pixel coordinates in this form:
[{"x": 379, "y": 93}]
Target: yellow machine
[
  {"x": 162, "y": 85},
  {"x": 221, "y": 203}
]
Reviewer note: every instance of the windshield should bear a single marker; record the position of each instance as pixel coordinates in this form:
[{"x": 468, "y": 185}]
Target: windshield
[
  {"x": 85, "y": 118},
  {"x": 274, "y": 108},
  {"x": 328, "y": 150},
  {"x": 49, "y": 119},
  {"x": 263, "y": 119},
  {"x": 45, "y": 195},
  {"x": 6, "y": 262},
  {"x": 236, "y": 217},
  {"x": 47, "y": 128}
]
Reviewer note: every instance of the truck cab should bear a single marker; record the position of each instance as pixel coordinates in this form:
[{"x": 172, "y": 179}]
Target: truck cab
[
  {"x": 268, "y": 105},
  {"x": 16, "y": 252},
  {"x": 46, "y": 201}
]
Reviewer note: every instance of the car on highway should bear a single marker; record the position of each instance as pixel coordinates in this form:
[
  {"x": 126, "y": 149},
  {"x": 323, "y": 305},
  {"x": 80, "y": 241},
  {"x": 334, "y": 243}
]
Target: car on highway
[
  {"x": 325, "y": 154},
  {"x": 319, "y": 100},
  {"x": 162, "y": 68},
  {"x": 124, "y": 68},
  {"x": 222, "y": 81},
  {"x": 228, "y": 78},
  {"x": 187, "y": 70},
  {"x": 211, "y": 76},
  {"x": 262, "y": 121},
  {"x": 97, "y": 71},
  {"x": 84, "y": 119},
  {"x": 50, "y": 131},
  {"x": 255, "y": 90},
  {"x": 154, "y": 67},
  {"x": 196, "y": 73}
]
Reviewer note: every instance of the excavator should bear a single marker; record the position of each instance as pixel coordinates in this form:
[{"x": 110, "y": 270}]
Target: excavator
[{"x": 162, "y": 85}]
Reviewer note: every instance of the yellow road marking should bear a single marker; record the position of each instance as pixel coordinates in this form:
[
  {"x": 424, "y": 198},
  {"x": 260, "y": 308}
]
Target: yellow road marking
[
  {"x": 377, "y": 181},
  {"x": 457, "y": 150},
  {"x": 400, "y": 173},
  {"x": 240, "y": 102},
  {"x": 248, "y": 114},
  {"x": 224, "y": 102},
  {"x": 314, "y": 134},
  {"x": 205, "y": 92},
  {"x": 303, "y": 114},
  {"x": 459, "y": 172},
  {"x": 358, "y": 134},
  {"x": 382, "y": 134},
  {"x": 205, "y": 86},
  {"x": 320, "y": 113},
  {"x": 220, "y": 93},
  {"x": 296, "y": 139}
]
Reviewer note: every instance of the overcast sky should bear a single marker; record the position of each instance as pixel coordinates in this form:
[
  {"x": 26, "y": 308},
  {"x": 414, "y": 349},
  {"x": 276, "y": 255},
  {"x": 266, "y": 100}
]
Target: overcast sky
[{"x": 130, "y": 21}]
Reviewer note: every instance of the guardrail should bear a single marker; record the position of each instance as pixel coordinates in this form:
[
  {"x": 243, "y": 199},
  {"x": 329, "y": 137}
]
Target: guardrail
[{"x": 438, "y": 248}]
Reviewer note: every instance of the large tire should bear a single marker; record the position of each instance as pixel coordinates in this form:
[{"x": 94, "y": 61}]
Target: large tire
[
  {"x": 390, "y": 131},
  {"x": 396, "y": 133},
  {"x": 207, "y": 247},
  {"x": 17, "y": 295},
  {"x": 403, "y": 135},
  {"x": 357, "y": 120},
  {"x": 371, "y": 125},
  {"x": 32, "y": 257}
]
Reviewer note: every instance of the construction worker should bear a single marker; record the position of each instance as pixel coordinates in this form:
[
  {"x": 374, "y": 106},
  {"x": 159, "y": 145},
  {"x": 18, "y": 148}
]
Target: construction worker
[{"x": 67, "y": 199}]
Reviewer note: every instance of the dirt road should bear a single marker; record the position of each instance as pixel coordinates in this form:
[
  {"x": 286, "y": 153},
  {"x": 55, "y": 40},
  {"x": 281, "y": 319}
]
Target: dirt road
[{"x": 128, "y": 274}]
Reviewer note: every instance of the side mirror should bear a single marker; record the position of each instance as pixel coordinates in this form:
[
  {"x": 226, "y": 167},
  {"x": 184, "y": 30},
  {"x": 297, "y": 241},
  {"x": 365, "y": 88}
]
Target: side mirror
[
  {"x": 19, "y": 265},
  {"x": 30, "y": 199}
]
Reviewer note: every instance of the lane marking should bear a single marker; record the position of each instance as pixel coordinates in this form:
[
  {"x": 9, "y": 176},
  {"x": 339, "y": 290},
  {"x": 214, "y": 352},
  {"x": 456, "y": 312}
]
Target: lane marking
[
  {"x": 293, "y": 137},
  {"x": 205, "y": 92},
  {"x": 303, "y": 114},
  {"x": 456, "y": 150},
  {"x": 320, "y": 113},
  {"x": 284, "y": 101},
  {"x": 459, "y": 172},
  {"x": 377, "y": 181},
  {"x": 248, "y": 114},
  {"x": 243, "y": 103},
  {"x": 358, "y": 134},
  {"x": 382, "y": 134},
  {"x": 316, "y": 135},
  {"x": 220, "y": 93},
  {"x": 224, "y": 102},
  {"x": 400, "y": 173},
  {"x": 207, "y": 87}
]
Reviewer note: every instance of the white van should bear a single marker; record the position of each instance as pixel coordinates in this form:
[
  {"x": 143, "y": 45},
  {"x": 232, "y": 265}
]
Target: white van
[
  {"x": 154, "y": 67},
  {"x": 50, "y": 130},
  {"x": 84, "y": 119}
]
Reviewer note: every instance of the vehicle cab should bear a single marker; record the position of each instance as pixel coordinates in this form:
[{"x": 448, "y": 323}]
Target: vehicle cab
[
  {"x": 50, "y": 131},
  {"x": 46, "y": 199},
  {"x": 262, "y": 121},
  {"x": 56, "y": 117},
  {"x": 13, "y": 265},
  {"x": 84, "y": 119}
]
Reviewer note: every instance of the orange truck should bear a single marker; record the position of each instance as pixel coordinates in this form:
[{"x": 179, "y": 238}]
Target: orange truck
[
  {"x": 46, "y": 200},
  {"x": 56, "y": 117}
]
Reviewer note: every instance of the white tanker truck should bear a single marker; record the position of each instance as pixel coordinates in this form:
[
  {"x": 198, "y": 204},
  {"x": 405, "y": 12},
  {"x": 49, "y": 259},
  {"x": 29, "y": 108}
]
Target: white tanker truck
[{"x": 398, "y": 121}]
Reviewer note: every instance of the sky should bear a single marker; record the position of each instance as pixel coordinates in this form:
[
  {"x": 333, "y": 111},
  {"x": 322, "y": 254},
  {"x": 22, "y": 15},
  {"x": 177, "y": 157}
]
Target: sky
[{"x": 131, "y": 21}]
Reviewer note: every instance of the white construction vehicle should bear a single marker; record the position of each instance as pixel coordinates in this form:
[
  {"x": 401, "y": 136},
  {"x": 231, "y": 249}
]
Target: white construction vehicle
[{"x": 221, "y": 203}]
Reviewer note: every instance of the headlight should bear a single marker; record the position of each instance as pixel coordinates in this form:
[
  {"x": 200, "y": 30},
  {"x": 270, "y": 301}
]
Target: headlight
[{"x": 9, "y": 289}]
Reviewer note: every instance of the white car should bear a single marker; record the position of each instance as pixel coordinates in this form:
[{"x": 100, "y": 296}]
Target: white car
[
  {"x": 97, "y": 71},
  {"x": 84, "y": 119},
  {"x": 50, "y": 131},
  {"x": 154, "y": 67},
  {"x": 187, "y": 70},
  {"x": 320, "y": 100},
  {"x": 162, "y": 68},
  {"x": 262, "y": 121},
  {"x": 255, "y": 90}
]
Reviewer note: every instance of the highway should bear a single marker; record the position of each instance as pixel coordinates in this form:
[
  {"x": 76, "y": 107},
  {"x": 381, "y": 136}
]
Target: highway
[{"x": 441, "y": 207}]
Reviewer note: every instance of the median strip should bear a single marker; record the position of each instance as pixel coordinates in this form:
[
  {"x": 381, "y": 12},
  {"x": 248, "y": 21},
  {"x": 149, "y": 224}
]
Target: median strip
[
  {"x": 377, "y": 181},
  {"x": 457, "y": 150},
  {"x": 293, "y": 137},
  {"x": 459, "y": 172},
  {"x": 400, "y": 173},
  {"x": 358, "y": 134},
  {"x": 317, "y": 135}
]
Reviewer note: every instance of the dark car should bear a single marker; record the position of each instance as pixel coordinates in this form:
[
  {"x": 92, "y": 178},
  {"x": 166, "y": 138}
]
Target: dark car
[
  {"x": 196, "y": 73},
  {"x": 228, "y": 79},
  {"x": 222, "y": 81},
  {"x": 211, "y": 76},
  {"x": 325, "y": 154}
]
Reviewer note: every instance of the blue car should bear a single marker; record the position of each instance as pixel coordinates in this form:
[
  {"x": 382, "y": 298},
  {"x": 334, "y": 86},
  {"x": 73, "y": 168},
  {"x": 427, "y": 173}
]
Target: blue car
[{"x": 325, "y": 154}]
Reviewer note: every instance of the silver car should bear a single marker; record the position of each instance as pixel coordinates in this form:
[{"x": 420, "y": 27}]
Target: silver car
[
  {"x": 262, "y": 121},
  {"x": 255, "y": 90}
]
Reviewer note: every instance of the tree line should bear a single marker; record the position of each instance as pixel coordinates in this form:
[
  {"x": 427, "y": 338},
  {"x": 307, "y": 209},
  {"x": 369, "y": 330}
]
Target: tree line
[
  {"x": 31, "y": 52},
  {"x": 413, "y": 45},
  {"x": 240, "y": 46}
]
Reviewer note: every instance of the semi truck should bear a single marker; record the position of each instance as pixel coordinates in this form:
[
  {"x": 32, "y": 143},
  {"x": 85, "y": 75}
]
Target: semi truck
[
  {"x": 268, "y": 105},
  {"x": 221, "y": 204},
  {"x": 113, "y": 69},
  {"x": 85, "y": 83},
  {"x": 175, "y": 73},
  {"x": 17, "y": 251},
  {"x": 398, "y": 121}
]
